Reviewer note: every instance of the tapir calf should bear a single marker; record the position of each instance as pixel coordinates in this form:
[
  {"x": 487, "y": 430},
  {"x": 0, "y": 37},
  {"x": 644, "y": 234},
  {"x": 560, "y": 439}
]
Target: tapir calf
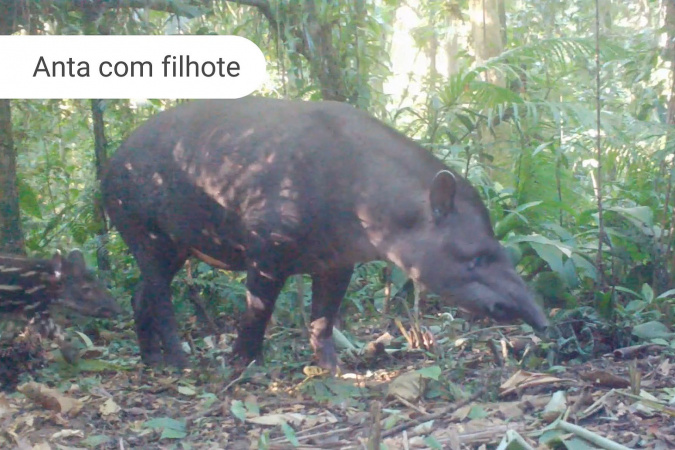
[{"x": 277, "y": 188}]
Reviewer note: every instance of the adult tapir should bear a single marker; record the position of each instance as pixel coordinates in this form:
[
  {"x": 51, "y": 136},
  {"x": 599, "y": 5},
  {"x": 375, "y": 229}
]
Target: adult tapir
[{"x": 276, "y": 188}]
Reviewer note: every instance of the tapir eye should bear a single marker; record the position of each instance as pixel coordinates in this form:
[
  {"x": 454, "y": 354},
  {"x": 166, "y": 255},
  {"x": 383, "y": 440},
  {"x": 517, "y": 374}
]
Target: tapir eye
[{"x": 478, "y": 261}]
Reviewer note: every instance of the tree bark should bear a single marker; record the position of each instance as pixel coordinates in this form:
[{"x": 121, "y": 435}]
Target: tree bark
[
  {"x": 488, "y": 33},
  {"x": 11, "y": 237},
  {"x": 663, "y": 278},
  {"x": 100, "y": 150}
]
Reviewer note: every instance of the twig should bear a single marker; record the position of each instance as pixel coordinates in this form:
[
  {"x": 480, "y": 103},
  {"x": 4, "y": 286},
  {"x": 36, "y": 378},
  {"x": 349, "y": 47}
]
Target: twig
[{"x": 236, "y": 380}]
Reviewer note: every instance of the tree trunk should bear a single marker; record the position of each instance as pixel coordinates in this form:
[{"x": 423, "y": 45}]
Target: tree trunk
[
  {"x": 488, "y": 33},
  {"x": 11, "y": 238},
  {"x": 100, "y": 149},
  {"x": 663, "y": 279}
]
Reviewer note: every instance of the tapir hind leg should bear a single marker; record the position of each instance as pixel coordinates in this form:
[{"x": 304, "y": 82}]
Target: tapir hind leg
[
  {"x": 328, "y": 289},
  {"x": 158, "y": 258}
]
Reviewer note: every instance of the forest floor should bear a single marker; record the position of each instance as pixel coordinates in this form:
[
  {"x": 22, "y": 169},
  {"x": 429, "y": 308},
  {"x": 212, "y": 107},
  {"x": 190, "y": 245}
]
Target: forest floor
[{"x": 467, "y": 389}]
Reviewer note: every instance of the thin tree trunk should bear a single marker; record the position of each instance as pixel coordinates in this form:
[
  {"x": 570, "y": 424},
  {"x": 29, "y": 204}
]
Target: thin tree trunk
[
  {"x": 100, "y": 149},
  {"x": 11, "y": 237}
]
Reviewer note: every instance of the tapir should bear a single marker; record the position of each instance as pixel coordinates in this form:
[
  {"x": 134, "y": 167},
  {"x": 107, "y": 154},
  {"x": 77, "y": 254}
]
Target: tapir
[{"x": 281, "y": 187}]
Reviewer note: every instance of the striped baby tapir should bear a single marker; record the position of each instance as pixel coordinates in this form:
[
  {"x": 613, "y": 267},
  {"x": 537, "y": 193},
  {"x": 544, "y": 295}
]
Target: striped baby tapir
[{"x": 29, "y": 286}]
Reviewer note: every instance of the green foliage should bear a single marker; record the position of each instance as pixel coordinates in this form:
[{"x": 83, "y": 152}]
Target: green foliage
[{"x": 527, "y": 142}]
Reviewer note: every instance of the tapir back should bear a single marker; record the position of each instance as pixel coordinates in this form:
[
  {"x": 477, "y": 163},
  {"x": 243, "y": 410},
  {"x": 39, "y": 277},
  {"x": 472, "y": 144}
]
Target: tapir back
[{"x": 298, "y": 169}]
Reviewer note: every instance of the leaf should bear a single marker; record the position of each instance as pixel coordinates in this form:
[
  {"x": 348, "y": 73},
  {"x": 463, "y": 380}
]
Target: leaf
[
  {"x": 666, "y": 294},
  {"x": 96, "y": 440},
  {"x": 290, "y": 434},
  {"x": 647, "y": 293},
  {"x": 432, "y": 442},
  {"x": 477, "y": 412},
  {"x": 551, "y": 254},
  {"x": 635, "y": 306},
  {"x": 186, "y": 390},
  {"x": 238, "y": 410},
  {"x": 85, "y": 339},
  {"x": 513, "y": 441},
  {"x": 51, "y": 399},
  {"x": 627, "y": 291},
  {"x": 277, "y": 419},
  {"x": 432, "y": 372},
  {"x": 651, "y": 330},
  {"x": 171, "y": 428},
  {"x": 409, "y": 386},
  {"x": 639, "y": 215},
  {"x": 109, "y": 407}
]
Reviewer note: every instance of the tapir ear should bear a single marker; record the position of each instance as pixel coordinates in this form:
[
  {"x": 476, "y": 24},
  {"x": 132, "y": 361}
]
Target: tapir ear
[
  {"x": 76, "y": 259},
  {"x": 442, "y": 194}
]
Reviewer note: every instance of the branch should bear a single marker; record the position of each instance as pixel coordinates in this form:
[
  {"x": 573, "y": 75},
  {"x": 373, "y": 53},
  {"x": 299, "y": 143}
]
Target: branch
[{"x": 264, "y": 7}]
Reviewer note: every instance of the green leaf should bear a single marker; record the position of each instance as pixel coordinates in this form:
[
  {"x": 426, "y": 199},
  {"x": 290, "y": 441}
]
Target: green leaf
[
  {"x": 171, "y": 428},
  {"x": 639, "y": 215},
  {"x": 627, "y": 291},
  {"x": 635, "y": 306},
  {"x": 651, "y": 330},
  {"x": 96, "y": 440},
  {"x": 477, "y": 412},
  {"x": 432, "y": 372},
  {"x": 432, "y": 442},
  {"x": 85, "y": 339},
  {"x": 551, "y": 254},
  {"x": 186, "y": 390},
  {"x": 238, "y": 410},
  {"x": 289, "y": 432},
  {"x": 666, "y": 294},
  {"x": 253, "y": 408},
  {"x": 647, "y": 293}
]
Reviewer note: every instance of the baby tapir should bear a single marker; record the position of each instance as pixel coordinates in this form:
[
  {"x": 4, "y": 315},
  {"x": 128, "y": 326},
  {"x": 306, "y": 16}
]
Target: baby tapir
[
  {"x": 276, "y": 188},
  {"x": 30, "y": 286}
]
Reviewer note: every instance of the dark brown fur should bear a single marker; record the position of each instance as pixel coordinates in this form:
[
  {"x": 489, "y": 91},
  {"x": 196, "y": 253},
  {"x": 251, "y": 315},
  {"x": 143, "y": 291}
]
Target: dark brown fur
[{"x": 278, "y": 188}]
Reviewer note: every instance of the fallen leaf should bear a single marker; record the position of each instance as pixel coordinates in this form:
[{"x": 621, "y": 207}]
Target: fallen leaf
[
  {"x": 277, "y": 419},
  {"x": 409, "y": 386},
  {"x": 50, "y": 398},
  {"x": 109, "y": 407},
  {"x": 523, "y": 380},
  {"x": 186, "y": 390},
  {"x": 555, "y": 407},
  {"x": 66, "y": 434},
  {"x": 606, "y": 379},
  {"x": 5, "y": 407}
]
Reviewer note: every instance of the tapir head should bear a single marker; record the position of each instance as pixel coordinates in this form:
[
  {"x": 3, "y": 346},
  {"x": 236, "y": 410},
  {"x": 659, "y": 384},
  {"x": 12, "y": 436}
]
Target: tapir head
[
  {"x": 454, "y": 253},
  {"x": 81, "y": 290}
]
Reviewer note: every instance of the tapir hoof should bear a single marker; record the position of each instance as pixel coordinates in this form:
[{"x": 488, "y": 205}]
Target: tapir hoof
[
  {"x": 240, "y": 360},
  {"x": 325, "y": 355},
  {"x": 176, "y": 360},
  {"x": 156, "y": 360}
]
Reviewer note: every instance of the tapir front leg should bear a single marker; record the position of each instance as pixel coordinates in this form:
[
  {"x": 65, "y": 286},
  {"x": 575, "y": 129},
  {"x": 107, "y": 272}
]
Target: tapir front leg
[
  {"x": 328, "y": 289},
  {"x": 147, "y": 330},
  {"x": 262, "y": 290}
]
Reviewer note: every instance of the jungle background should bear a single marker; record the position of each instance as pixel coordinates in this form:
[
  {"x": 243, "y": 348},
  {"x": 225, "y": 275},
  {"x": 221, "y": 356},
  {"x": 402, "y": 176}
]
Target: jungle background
[{"x": 559, "y": 111}]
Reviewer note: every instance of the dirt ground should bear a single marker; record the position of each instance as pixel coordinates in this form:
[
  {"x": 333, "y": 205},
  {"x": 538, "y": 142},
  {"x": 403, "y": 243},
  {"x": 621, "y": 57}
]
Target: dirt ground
[{"x": 438, "y": 387}]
